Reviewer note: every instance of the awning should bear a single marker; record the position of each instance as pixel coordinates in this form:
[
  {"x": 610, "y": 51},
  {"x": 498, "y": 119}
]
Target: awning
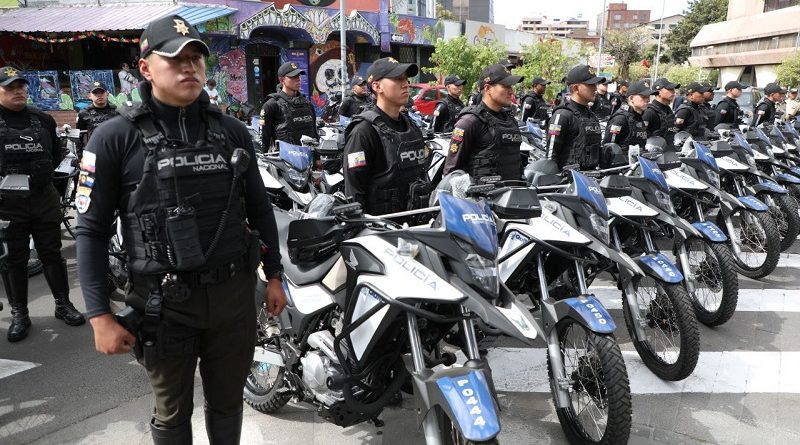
[
  {"x": 102, "y": 18},
  {"x": 769, "y": 24}
]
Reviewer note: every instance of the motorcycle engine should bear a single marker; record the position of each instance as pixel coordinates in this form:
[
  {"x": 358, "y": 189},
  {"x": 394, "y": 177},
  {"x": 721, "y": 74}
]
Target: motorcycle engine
[{"x": 320, "y": 364}]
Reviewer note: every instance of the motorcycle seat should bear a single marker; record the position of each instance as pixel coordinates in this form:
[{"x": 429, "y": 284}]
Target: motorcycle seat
[{"x": 300, "y": 274}]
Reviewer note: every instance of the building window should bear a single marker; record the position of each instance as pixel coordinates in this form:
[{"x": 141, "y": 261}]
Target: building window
[
  {"x": 617, "y": 16},
  {"x": 772, "y": 5}
]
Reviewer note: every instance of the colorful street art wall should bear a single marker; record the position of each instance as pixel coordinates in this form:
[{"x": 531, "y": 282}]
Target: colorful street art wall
[
  {"x": 81, "y": 83},
  {"x": 228, "y": 67},
  {"x": 43, "y": 89}
]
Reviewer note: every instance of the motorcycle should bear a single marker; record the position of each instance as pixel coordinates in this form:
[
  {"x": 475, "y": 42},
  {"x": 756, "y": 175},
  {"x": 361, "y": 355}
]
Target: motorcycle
[{"x": 287, "y": 175}]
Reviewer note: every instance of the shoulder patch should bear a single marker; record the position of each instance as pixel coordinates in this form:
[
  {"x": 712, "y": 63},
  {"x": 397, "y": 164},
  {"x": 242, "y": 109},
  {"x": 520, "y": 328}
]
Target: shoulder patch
[
  {"x": 678, "y": 121},
  {"x": 356, "y": 160},
  {"x": 723, "y": 111},
  {"x": 615, "y": 129},
  {"x": 88, "y": 161}
]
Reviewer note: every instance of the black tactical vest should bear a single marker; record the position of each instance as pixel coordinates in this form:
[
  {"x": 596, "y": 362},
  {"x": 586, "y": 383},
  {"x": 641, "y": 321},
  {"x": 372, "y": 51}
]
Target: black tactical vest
[
  {"x": 637, "y": 132},
  {"x": 23, "y": 152},
  {"x": 99, "y": 115},
  {"x": 734, "y": 114},
  {"x": 540, "y": 112},
  {"x": 502, "y": 156},
  {"x": 667, "y": 128},
  {"x": 708, "y": 115},
  {"x": 769, "y": 112},
  {"x": 602, "y": 106},
  {"x": 698, "y": 125},
  {"x": 174, "y": 220},
  {"x": 586, "y": 145},
  {"x": 298, "y": 119},
  {"x": 454, "y": 107}
]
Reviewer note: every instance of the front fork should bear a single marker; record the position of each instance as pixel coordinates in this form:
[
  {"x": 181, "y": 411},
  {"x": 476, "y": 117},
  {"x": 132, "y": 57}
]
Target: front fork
[{"x": 629, "y": 290}]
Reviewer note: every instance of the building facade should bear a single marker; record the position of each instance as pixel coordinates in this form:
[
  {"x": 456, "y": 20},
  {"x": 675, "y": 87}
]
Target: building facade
[
  {"x": 756, "y": 37},
  {"x": 553, "y": 27},
  {"x": 617, "y": 17},
  {"x": 477, "y": 10},
  {"x": 669, "y": 23}
]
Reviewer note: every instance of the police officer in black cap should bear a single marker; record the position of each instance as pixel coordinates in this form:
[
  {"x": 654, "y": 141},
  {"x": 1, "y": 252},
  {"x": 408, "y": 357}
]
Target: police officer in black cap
[
  {"x": 764, "y": 112},
  {"x": 574, "y": 135},
  {"x": 447, "y": 111},
  {"x": 689, "y": 116},
  {"x": 384, "y": 153},
  {"x": 706, "y": 107},
  {"x": 626, "y": 127},
  {"x": 358, "y": 100},
  {"x": 486, "y": 139},
  {"x": 194, "y": 214},
  {"x": 727, "y": 111},
  {"x": 287, "y": 115},
  {"x": 619, "y": 97},
  {"x": 533, "y": 103},
  {"x": 96, "y": 113},
  {"x": 477, "y": 96},
  {"x": 601, "y": 105},
  {"x": 29, "y": 146},
  {"x": 658, "y": 117}
]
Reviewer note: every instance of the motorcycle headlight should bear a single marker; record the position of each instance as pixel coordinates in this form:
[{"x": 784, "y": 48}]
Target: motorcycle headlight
[
  {"x": 297, "y": 179},
  {"x": 600, "y": 227},
  {"x": 665, "y": 202},
  {"x": 483, "y": 270},
  {"x": 713, "y": 178},
  {"x": 750, "y": 160}
]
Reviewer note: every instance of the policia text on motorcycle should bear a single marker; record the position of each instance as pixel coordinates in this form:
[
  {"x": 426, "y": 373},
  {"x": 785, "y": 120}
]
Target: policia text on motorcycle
[
  {"x": 573, "y": 132},
  {"x": 287, "y": 115},
  {"x": 447, "y": 111},
  {"x": 626, "y": 127},
  {"x": 384, "y": 153},
  {"x": 194, "y": 213},
  {"x": 658, "y": 117},
  {"x": 486, "y": 138},
  {"x": 358, "y": 100},
  {"x": 96, "y": 113},
  {"x": 765, "y": 110},
  {"x": 727, "y": 110},
  {"x": 533, "y": 103},
  {"x": 30, "y": 147},
  {"x": 689, "y": 116}
]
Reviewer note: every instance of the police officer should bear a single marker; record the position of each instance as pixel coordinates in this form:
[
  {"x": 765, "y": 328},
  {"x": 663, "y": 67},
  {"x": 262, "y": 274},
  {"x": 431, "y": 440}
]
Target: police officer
[
  {"x": 96, "y": 113},
  {"x": 185, "y": 182},
  {"x": 626, "y": 127},
  {"x": 658, "y": 117},
  {"x": 574, "y": 135},
  {"x": 477, "y": 97},
  {"x": 689, "y": 117},
  {"x": 358, "y": 100},
  {"x": 727, "y": 110},
  {"x": 287, "y": 115},
  {"x": 533, "y": 103},
  {"x": 486, "y": 139},
  {"x": 618, "y": 98},
  {"x": 792, "y": 105},
  {"x": 601, "y": 105},
  {"x": 765, "y": 110},
  {"x": 384, "y": 153},
  {"x": 447, "y": 111},
  {"x": 706, "y": 108},
  {"x": 30, "y": 147}
]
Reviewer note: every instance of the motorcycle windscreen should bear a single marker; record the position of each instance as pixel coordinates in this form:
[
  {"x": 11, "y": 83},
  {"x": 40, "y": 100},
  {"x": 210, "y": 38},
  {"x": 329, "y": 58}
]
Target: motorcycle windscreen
[
  {"x": 297, "y": 156},
  {"x": 652, "y": 173},
  {"x": 703, "y": 153},
  {"x": 739, "y": 139},
  {"x": 763, "y": 137},
  {"x": 588, "y": 190},
  {"x": 470, "y": 221}
]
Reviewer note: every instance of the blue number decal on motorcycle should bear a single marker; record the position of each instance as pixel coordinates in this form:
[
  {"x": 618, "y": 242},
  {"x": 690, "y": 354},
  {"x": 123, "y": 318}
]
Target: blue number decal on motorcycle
[
  {"x": 593, "y": 312},
  {"x": 711, "y": 231},
  {"x": 785, "y": 177},
  {"x": 752, "y": 203},
  {"x": 661, "y": 267},
  {"x": 472, "y": 405}
]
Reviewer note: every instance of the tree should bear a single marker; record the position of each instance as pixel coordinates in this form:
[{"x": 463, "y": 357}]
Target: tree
[
  {"x": 685, "y": 74},
  {"x": 548, "y": 60},
  {"x": 442, "y": 13},
  {"x": 458, "y": 56},
  {"x": 626, "y": 47},
  {"x": 789, "y": 70},
  {"x": 698, "y": 14}
]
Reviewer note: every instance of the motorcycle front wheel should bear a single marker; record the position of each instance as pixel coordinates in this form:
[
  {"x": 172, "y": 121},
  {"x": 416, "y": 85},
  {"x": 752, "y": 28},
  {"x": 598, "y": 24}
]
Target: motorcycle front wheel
[
  {"x": 758, "y": 242},
  {"x": 716, "y": 285}
]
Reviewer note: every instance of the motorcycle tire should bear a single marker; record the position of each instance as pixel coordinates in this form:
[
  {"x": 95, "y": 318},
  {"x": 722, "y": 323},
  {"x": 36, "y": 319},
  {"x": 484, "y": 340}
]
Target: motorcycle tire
[
  {"x": 787, "y": 219},
  {"x": 719, "y": 275},
  {"x": 605, "y": 365},
  {"x": 768, "y": 239},
  {"x": 451, "y": 434},
  {"x": 271, "y": 398},
  {"x": 668, "y": 314}
]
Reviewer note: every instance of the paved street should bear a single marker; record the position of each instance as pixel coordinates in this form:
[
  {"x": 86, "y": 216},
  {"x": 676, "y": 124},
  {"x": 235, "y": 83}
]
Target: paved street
[{"x": 54, "y": 389}]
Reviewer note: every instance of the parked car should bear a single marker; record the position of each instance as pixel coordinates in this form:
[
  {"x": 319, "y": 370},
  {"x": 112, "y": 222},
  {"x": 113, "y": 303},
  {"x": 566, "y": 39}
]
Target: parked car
[
  {"x": 425, "y": 97},
  {"x": 747, "y": 101}
]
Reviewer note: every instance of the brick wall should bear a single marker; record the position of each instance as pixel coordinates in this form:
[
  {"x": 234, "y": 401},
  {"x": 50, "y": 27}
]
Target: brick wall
[{"x": 64, "y": 117}]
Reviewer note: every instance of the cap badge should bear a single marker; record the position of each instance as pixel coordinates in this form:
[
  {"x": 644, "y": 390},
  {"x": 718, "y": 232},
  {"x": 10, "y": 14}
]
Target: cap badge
[
  {"x": 392, "y": 60},
  {"x": 180, "y": 27},
  {"x": 646, "y": 85},
  {"x": 294, "y": 66},
  {"x": 97, "y": 84},
  {"x": 11, "y": 72}
]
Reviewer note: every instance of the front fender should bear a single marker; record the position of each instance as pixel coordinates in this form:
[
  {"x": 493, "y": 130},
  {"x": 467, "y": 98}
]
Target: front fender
[
  {"x": 660, "y": 267},
  {"x": 753, "y": 203},
  {"x": 785, "y": 178},
  {"x": 711, "y": 231},
  {"x": 769, "y": 187},
  {"x": 588, "y": 311}
]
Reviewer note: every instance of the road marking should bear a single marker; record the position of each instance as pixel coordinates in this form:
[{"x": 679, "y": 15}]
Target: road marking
[
  {"x": 11, "y": 367},
  {"x": 525, "y": 370},
  {"x": 750, "y": 300}
]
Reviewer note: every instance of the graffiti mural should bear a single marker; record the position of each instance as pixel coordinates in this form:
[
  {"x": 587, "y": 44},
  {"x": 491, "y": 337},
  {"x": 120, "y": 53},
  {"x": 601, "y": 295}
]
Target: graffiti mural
[
  {"x": 43, "y": 89},
  {"x": 227, "y": 66},
  {"x": 414, "y": 30},
  {"x": 325, "y": 72},
  {"x": 81, "y": 83},
  {"x": 319, "y": 23}
]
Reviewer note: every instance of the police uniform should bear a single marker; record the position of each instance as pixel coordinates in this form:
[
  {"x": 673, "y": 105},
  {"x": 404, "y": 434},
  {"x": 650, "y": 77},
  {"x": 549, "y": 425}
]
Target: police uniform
[
  {"x": 617, "y": 99},
  {"x": 689, "y": 116},
  {"x": 792, "y": 106},
  {"x": 287, "y": 118},
  {"x": 189, "y": 200},
  {"x": 30, "y": 147},
  {"x": 355, "y": 103},
  {"x": 384, "y": 158},
  {"x": 601, "y": 106},
  {"x": 765, "y": 110},
  {"x": 708, "y": 115},
  {"x": 533, "y": 104},
  {"x": 727, "y": 111},
  {"x": 92, "y": 116},
  {"x": 658, "y": 117},
  {"x": 574, "y": 135},
  {"x": 626, "y": 127},
  {"x": 447, "y": 111}
]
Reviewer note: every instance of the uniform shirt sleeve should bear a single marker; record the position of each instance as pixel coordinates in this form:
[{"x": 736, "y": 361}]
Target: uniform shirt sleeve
[
  {"x": 346, "y": 108},
  {"x": 682, "y": 118},
  {"x": 528, "y": 108},
  {"x": 721, "y": 112},
  {"x": 651, "y": 121},
  {"x": 268, "y": 120},
  {"x": 464, "y": 141},
  {"x": 440, "y": 116},
  {"x": 558, "y": 134},
  {"x": 361, "y": 148},
  {"x": 616, "y": 130}
]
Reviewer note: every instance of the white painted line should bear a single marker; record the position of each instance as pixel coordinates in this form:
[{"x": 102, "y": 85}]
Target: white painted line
[
  {"x": 750, "y": 300},
  {"x": 11, "y": 367},
  {"x": 525, "y": 370}
]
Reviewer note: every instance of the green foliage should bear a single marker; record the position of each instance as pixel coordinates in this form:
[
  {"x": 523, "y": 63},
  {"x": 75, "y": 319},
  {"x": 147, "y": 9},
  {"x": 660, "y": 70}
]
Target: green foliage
[
  {"x": 444, "y": 14},
  {"x": 545, "y": 59},
  {"x": 458, "y": 56},
  {"x": 698, "y": 14},
  {"x": 789, "y": 71},
  {"x": 626, "y": 47},
  {"x": 686, "y": 74}
]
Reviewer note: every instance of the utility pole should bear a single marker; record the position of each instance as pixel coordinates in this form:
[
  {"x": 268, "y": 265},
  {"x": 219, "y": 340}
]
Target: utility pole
[
  {"x": 602, "y": 29},
  {"x": 343, "y": 45},
  {"x": 660, "y": 34}
]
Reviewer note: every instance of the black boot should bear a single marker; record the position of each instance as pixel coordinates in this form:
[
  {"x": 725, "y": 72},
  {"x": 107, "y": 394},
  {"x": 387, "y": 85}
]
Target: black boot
[
  {"x": 17, "y": 287},
  {"x": 178, "y": 435},
  {"x": 56, "y": 276},
  {"x": 223, "y": 430}
]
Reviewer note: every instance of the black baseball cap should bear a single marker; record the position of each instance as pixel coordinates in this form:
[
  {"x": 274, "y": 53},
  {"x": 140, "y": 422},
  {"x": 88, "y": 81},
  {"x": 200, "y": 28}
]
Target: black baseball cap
[
  {"x": 506, "y": 64},
  {"x": 540, "y": 81},
  {"x": 290, "y": 69},
  {"x": 772, "y": 88},
  {"x": 497, "y": 74},
  {"x": 455, "y": 80},
  {"x": 624, "y": 83},
  {"x": 695, "y": 87},
  {"x": 10, "y": 74},
  {"x": 583, "y": 74},
  {"x": 735, "y": 84},
  {"x": 641, "y": 88},
  {"x": 97, "y": 85},
  {"x": 357, "y": 80},
  {"x": 665, "y": 83},
  {"x": 168, "y": 36},
  {"x": 390, "y": 68}
]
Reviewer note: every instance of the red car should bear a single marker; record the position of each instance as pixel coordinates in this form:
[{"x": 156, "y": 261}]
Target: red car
[{"x": 425, "y": 97}]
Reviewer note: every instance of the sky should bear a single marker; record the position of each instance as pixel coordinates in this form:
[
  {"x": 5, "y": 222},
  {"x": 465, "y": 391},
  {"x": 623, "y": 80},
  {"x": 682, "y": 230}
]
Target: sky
[{"x": 511, "y": 12}]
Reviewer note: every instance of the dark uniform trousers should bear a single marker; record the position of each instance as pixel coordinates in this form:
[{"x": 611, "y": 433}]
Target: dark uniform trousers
[{"x": 38, "y": 215}]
